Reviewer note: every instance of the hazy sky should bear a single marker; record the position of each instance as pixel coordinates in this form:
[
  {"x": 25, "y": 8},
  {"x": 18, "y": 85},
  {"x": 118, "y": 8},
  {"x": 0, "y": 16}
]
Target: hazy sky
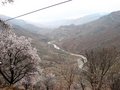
[{"x": 73, "y": 9}]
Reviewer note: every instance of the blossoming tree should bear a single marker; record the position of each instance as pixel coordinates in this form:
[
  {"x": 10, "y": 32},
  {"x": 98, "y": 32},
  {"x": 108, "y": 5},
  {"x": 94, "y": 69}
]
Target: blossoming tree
[{"x": 17, "y": 57}]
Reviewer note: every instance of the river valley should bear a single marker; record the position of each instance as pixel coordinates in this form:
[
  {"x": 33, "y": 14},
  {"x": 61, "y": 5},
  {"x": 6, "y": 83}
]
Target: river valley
[{"x": 80, "y": 60}]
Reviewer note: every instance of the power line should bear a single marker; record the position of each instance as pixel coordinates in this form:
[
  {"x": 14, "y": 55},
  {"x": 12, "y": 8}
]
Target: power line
[{"x": 38, "y": 10}]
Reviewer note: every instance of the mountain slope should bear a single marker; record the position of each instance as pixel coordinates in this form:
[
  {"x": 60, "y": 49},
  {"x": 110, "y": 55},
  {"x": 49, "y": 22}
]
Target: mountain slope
[
  {"x": 25, "y": 25},
  {"x": 103, "y": 32}
]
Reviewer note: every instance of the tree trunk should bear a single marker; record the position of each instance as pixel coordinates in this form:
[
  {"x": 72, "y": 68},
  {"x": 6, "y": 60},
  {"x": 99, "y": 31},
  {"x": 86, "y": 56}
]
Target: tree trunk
[{"x": 83, "y": 86}]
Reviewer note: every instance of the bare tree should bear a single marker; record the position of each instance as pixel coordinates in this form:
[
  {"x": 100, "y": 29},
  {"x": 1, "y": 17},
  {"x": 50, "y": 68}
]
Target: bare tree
[
  {"x": 49, "y": 81},
  {"x": 114, "y": 81},
  {"x": 81, "y": 82},
  {"x": 68, "y": 73},
  {"x": 99, "y": 63},
  {"x": 113, "y": 77},
  {"x": 17, "y": 57}
]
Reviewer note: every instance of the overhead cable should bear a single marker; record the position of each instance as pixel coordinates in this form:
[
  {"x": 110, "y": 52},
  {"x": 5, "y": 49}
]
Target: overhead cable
[{"x": 38, "y": 10}]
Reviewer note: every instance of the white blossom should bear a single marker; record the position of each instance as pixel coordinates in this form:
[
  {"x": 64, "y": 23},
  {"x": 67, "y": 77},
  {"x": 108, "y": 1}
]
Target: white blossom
[{"x": 17, "y": 55}]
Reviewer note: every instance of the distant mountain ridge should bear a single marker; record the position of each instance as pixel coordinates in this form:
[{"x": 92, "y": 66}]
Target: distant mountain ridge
[
  {"x": 77, "y": 21},
  {"x": 49, "y": 26}
]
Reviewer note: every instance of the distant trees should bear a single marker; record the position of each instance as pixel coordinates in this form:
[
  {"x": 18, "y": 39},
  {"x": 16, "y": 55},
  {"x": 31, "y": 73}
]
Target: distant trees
[
  {"x": 17, "y": 57},
  {"x": 99, "y": 65}
]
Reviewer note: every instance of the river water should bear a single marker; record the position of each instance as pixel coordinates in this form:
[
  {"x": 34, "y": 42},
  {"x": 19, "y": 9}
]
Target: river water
[{"x": 81, "y": 59}]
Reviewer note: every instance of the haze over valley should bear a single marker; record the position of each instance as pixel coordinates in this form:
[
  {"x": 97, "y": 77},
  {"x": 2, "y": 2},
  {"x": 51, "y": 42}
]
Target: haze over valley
[{"x": 75, "y": 46}]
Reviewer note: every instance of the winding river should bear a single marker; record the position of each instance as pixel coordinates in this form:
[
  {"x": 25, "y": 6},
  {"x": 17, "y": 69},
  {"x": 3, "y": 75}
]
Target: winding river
[{"x": 81, "y": 59}]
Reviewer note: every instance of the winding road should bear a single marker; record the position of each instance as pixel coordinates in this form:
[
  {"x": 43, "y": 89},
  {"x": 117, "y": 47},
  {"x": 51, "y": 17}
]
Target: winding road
[{"x": 81, "y": 59}]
